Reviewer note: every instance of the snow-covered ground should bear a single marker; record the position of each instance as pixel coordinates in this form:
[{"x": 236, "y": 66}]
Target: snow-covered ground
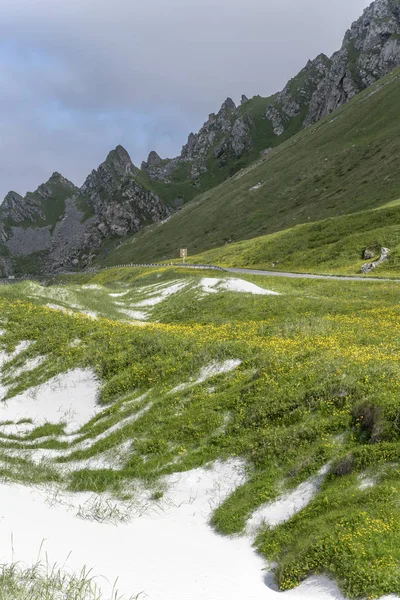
[
  {"x": 153, "y": 295},
  {"x": 166, "y": 552},
  {"x": 211, "y": 285},
  {"x": 69, "y": 397},
  {"x": 288, "y": 505},
  {"x": 161, "y": 550}
]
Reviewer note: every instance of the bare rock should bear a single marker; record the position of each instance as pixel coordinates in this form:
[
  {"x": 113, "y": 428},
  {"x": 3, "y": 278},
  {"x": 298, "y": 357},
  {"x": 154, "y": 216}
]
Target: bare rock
[
  {"x": 368, "y": 254},
  {"x": 368, "y": 267}
]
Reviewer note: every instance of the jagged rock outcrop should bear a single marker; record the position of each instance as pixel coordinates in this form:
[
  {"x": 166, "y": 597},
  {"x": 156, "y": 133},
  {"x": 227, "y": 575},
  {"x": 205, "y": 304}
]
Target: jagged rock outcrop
[
  {"x": 17, "y": 209},
  {"x": 110, "y": 203},
  {"x": 119, "y": 202},
  {"x": 368, "y": 267},
  {"x": 119, "y": 206},
  {"x": 370, "y": 50},
  {"x": 295, "y": 98},
  {"x": 227, "y": 133}
]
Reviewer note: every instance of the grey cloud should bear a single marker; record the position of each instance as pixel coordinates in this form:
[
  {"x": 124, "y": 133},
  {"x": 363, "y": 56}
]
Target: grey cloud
[{"x": 79, "y": 77}]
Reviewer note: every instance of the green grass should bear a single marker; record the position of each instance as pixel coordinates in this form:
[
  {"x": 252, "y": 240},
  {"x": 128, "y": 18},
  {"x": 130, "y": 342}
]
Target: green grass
[
  {"x": 318, "y": 384},
  {"x": 343, "y": 165},
  {"x": 42, "y": 582},
  {"x": 332, "y": 246}
]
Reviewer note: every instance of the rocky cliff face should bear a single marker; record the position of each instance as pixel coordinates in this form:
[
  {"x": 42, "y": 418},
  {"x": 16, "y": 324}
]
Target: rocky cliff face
[
  {"x": 237, "y": 135},
  {"x": 370, "y": 50},
  {"x": 295, "y": 98},
  {"x": 16, "y": 209},
  {"x": 66, "y": 224},
  {"x": 225, "y": 134}
]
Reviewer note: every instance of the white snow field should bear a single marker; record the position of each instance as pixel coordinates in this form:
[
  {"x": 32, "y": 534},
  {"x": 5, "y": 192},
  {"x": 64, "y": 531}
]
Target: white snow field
[
  {"x": 156, "y": 549},
  {"x": 166, "y": 552}
]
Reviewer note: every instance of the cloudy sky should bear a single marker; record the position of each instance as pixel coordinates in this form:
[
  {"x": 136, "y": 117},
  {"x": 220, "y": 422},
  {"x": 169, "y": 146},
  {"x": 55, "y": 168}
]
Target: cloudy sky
[{"x": 79, "y": 77}]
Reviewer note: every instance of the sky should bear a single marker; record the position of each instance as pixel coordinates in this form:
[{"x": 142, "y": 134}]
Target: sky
[{"x": 78, "y": 77}]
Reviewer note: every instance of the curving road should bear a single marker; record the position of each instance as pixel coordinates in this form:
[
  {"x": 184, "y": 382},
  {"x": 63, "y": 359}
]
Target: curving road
[{"x": 306, "y": 275}]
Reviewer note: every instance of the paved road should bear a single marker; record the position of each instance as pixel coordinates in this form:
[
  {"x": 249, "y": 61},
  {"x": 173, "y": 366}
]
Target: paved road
[
  {"x": 306, "y": 275},
  {"x": 229, "y": 270}
]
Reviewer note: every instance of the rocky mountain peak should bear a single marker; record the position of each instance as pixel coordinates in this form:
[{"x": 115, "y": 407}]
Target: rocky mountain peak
[
  {"x": 154, "y": 160},
  {"x": 102, "y": 181},
  {"x": 228, "y": 105},
  {"x": 11, "y": 199},
  {"x": 244, "y": 99},
  {"x": 370, "y": 50},
  {"x": 119, "y": 160},
  {"x": 57, "y": 178}
]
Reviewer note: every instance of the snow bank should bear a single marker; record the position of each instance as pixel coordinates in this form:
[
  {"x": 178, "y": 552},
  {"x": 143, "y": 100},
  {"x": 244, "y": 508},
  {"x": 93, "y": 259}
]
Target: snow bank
[
  {"x": 119, "y": 294},
  {"x": 285, "y": 507},
  {"x": 62, "y": 309},
  {"x": 137, "y": 315},
  {"x": 167, "y": 551},
  {"x": 69, "y": 397},
  {"x": 207, "y": 372},
  {"x": 211, "y": 285},
  {"x": 161, "y": 294}
]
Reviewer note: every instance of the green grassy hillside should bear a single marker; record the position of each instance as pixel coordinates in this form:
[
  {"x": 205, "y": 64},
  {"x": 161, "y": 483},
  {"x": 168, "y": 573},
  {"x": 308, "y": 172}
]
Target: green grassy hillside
[
  {"x": 290, "y": 384},
  {"x": 300, "y": 88},
  {"x": 346, "y": 163},
  {"x": 334, "y": 245}
]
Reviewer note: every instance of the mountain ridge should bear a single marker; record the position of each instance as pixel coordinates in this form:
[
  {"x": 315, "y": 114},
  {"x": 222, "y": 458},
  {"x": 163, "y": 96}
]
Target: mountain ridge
[
  {"x": 370, "y": 50},
  {"x": 63, "y": 227}
]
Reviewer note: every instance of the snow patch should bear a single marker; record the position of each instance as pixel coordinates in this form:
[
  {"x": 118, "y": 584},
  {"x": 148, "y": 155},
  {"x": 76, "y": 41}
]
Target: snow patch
[
  {"x": 62, "y": 309},
  {"x": 69, "y": 397},
  {"x": 32, "y": 363},
  {"x": 211, "y": 285},
  {"x": 288, "y": 505},
  {"x": 176, "y": 555},
  {"x": 119, "y": 294},
  {"x": 137, "y": 315},
  {"x": 207, "y": 372},
  {"x": 17, "y": 428},
  {"x": 366, "y": 482},
  {"x": 90, "y": 313},
  {"x": 257, "y": 186},
  {"x": 155, "y": 299}
]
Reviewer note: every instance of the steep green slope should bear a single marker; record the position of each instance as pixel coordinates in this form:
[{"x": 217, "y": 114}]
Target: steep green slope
[
  {"x": 239, "y": 135},
  {"x": 333, "y": 245},
  {"x": 344, "y": 164}
]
